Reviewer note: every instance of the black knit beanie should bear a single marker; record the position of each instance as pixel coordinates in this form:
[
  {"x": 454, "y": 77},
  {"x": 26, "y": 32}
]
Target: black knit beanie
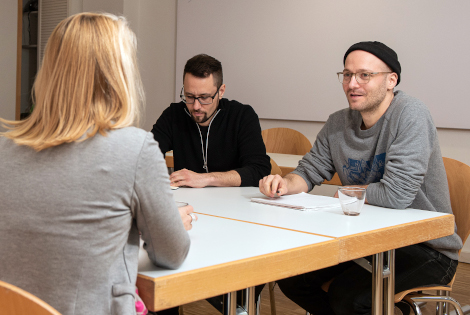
[{"x": 381, "y": 51}]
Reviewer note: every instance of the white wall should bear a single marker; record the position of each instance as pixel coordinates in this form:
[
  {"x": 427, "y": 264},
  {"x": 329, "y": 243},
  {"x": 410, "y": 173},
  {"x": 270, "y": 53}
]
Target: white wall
[
  {"x": 8, "y": 31},
  {"x": 156, "y": 52},
  {"x": 278, "y": 52},
  {"x": 110, "y": 6}
]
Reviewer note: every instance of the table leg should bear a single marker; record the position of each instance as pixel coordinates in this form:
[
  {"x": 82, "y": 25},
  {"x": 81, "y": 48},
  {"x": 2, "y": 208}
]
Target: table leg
[
  {"x": 230, "y": 303},
  {"x": 377, "y": 283},
  {"x": 389, "y": 287},
  {"x": 250, "y": 301},
  {"x": 383, "y": 284}
]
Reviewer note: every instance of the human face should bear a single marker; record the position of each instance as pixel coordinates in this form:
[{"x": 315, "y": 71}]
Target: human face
[
  {"x": 371, "y": 96},
  {"x": 196, "y": 87}
]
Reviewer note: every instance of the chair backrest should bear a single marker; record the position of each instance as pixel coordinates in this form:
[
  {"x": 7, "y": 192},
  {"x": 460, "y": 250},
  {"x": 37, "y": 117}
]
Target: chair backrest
[
  {"x": 285, "y": 140},
  {"x": 15, "y": 301},
  {"x": 458, "y": 178},
  {"x": 275, "y": 169}
]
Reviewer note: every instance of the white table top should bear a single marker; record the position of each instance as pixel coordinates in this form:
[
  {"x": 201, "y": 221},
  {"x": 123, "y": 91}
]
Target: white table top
[
  {"x": 228, "y": 255},
  {"x": 216, "y": 241},
  {"x": 380, "y": 228},
  {"x": 234, "y": 203}
]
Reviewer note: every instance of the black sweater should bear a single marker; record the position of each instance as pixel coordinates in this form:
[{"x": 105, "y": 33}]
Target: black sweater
[{"x": 235, "y": 141}]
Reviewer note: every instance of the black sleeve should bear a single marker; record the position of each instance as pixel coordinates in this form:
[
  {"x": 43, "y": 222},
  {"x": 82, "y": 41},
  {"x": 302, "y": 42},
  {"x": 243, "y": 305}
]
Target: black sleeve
[
  {"x": 255, "y": 163},
  {"x": 162, "y": 131}
]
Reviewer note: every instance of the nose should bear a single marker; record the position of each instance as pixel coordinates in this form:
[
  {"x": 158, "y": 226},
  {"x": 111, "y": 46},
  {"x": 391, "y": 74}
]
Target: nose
[
  {"x": 353, "y": 83},
  {"x": 197, "y": 105}
]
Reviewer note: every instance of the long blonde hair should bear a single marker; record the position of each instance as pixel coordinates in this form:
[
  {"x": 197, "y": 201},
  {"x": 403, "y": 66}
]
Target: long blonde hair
[{"x": 89, "y": 82}]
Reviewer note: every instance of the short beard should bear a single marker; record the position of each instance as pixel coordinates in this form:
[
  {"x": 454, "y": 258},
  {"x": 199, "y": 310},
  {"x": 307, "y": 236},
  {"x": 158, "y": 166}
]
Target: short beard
[
  {"x": 376, "y": 99},
  {"x": 371, "y": 107},
  {"x": 203, "y": 120}
]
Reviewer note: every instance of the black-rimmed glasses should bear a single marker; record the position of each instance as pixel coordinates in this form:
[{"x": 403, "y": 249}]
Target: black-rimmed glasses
[{"x": 203, "y": 100}]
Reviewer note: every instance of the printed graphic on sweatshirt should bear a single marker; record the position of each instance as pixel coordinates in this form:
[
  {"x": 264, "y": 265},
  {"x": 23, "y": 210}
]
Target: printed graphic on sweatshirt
[{"x": 360, "y": 172}]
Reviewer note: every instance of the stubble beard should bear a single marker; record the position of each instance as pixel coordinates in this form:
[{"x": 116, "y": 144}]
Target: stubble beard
[{"x": 375, "y": 99}]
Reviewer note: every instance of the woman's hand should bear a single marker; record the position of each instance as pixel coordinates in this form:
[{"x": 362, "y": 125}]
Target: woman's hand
[{"x": 187, "y": 216}]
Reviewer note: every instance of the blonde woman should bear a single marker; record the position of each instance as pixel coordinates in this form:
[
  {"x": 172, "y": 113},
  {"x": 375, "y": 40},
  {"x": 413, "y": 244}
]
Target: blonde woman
[{"x": 78, "y": 182}]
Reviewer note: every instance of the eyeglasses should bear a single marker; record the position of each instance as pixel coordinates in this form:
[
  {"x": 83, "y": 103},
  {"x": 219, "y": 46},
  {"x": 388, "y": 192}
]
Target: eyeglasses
[
  {"x": 203, "y": 100},
  {"x": 361, "y": 77}
]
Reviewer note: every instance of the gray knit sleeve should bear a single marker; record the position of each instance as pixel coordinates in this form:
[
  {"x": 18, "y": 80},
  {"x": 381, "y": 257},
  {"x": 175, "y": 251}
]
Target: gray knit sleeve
[
  {"x": 317, "y": 164},
  {"x": 407, "y": 157},
  {"x": 157, "y": 216}
]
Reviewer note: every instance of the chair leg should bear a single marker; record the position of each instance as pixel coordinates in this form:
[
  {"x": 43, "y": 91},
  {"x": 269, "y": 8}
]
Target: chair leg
[
  {"x": 445, "y": 306},
  {"x": 272, "y": 299},
  {"x": 446, "y": 299},
  {"x": 440, "y": 306}
]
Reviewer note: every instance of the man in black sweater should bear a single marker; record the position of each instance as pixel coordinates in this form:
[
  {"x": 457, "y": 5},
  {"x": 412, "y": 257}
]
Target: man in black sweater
[{"x": 215, "y": 141}]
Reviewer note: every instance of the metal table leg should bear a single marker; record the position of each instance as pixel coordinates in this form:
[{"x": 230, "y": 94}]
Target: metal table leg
[
  {"x": 377, "y": 283},
  {"x": 389, "y": 285},
  {"x": 383, "y": 296},
  {"x": 249, "y": 304},
  {"x": 230, "y": 303}
]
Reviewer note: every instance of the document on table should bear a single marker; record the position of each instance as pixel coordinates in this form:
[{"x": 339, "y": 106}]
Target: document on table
[{"x": 302, "y": 201}]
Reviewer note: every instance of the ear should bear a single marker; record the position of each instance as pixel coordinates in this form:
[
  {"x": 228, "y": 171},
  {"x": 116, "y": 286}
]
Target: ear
[
  {"x": 392, "y": 80},
  {"x": 221, "y": 91}
]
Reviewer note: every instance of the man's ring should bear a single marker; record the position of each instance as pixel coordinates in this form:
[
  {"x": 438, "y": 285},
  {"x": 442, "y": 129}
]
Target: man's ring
[{"x": 193, "y": 217}]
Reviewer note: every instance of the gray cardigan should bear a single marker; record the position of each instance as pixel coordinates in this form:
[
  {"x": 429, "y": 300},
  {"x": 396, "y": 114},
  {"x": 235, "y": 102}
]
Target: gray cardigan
[{"x": 70, "y": 218}]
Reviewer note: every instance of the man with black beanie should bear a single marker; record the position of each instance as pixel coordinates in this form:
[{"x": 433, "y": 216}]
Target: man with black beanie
[{"x": 387, "y": 143}]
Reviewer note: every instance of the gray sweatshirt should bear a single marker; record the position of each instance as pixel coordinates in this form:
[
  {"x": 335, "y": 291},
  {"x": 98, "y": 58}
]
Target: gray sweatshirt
[
  {"x": 70, "y": 218},
  {"x": 399, "y": 158}
]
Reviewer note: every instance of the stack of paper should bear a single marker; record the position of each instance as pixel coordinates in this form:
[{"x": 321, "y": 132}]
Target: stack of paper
[{"x": 302, "y": 201}]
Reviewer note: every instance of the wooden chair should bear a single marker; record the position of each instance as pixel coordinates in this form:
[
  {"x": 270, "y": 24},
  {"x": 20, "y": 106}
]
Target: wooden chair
[
  {"x": 290, "y": 141},
  {"x": 15, "y": 301},
  {"x": 275, "y": 169},
  {"x": 169, "y": 161},
  {"x": 285, "y": 140},
  {"x": 458, "y": 178}
]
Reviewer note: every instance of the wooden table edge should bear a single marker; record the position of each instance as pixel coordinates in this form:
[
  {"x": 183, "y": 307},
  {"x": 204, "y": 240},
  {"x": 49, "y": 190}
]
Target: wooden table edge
[
  {"x": 393, "y": 237},
  {"x": 198, "y": 284}
]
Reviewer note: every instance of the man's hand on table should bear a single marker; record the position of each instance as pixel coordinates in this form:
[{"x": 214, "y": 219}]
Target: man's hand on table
[
  {"x": 188, "y": 178},
  {"x": 272, "y": 185}
]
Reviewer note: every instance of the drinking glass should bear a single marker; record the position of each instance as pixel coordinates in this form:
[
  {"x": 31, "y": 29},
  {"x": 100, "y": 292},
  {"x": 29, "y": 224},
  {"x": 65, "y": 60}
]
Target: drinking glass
[{"x": 351, "y": 199}]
